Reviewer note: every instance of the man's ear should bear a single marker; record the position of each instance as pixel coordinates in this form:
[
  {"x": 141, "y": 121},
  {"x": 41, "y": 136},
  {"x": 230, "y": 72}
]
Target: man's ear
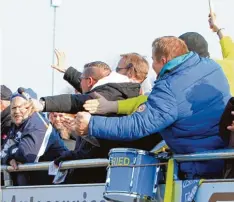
[
  {"x": 164, "y": 60},
  {"x": 1, "y": 105},
  {"x": 92, "y": 82}
]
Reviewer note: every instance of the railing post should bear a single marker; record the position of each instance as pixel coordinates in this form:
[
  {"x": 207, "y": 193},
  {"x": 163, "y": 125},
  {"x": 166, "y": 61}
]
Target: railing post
[{"x": 7, "y": 178}]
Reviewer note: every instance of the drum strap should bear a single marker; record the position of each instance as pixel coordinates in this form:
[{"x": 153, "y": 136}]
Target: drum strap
[
  {"x": 169, "y": 181},
  {"x": 169, "y": 189}
]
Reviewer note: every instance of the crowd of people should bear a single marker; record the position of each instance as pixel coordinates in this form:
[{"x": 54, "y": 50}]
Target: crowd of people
[{"x": 191, "y": 107}]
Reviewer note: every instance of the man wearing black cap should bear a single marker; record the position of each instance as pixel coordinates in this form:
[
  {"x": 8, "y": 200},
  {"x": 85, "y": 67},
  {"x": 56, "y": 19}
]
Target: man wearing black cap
[{"x": 5, "y": 112}]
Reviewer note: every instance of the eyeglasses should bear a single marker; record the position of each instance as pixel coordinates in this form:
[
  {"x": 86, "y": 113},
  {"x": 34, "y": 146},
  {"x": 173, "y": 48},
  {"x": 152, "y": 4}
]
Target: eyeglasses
[
  {"x": 83, "y": 77},
  {"x": 127, "y": 67}
]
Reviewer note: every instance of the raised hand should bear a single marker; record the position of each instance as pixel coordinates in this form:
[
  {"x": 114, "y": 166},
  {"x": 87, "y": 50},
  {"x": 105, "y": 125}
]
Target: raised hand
[
  {"x": 214, "y": 26},
  {"x": 61, "y": 58}
]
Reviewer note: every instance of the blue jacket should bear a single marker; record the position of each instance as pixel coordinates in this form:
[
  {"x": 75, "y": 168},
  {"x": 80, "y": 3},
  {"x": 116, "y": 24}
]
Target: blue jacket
[
  {"x": 185, "y": 106},
  {"x": 32, "y": 141}
]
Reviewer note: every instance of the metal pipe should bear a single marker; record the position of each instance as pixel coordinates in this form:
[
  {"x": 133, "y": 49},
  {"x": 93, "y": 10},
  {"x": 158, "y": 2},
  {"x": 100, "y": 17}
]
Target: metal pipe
[
  {"x": 87, "y": 163},
  {"x": 204, "y": 156},
  {"x": 53, "y": 47},
  {"x": 90, "y": 163}
]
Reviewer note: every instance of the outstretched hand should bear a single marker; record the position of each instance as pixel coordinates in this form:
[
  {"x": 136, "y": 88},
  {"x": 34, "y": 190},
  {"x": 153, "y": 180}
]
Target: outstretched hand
[
  {"x": 61, "y": 58},
  {"x": 82, "y": 123},
  {"x": 33, "y": 105},
  {"x": 70, "y": 124},
  {"x": 100, "y": 105},
  {"x": 94, "y": 106}
]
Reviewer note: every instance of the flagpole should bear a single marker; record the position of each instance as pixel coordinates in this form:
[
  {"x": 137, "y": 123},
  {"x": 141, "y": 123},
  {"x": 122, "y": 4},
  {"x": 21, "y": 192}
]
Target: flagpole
[
  {"x": 53, "y": 47},
  {"x": 55, "y": 4},
  {"x": 211, "y": 7}
]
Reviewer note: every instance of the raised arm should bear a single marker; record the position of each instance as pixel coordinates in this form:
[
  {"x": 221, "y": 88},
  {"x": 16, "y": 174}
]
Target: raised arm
[
  {"x": 71, "y": 75},
  {"x": 226, "y": 42}
]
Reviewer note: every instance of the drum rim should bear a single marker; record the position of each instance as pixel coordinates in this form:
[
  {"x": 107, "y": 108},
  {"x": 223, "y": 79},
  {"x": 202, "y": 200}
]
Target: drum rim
[
  {"x": 139, "y": 151},
  {"x": 138, "y": 196}
]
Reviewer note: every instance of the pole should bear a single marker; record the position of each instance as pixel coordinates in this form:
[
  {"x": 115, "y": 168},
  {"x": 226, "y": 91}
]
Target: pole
[
  {"x": 55, "y": 4},
  {"x": 211, "y": 7},
  {"x": 53, "y": 47}
]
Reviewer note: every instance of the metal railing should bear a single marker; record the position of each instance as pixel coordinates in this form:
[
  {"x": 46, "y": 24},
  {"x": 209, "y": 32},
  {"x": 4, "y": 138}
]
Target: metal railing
[
  {"x": 87, "y": 163},
  {"x": 91, "y": 163},
  {"x": 204, "y": 156}
]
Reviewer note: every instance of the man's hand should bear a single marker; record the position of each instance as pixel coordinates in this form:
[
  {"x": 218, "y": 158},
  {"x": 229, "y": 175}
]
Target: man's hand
[
  {"x": 34, "y": 105},
  {"x": 231, "y": 127},
  {"x": 14, "y": 164},
  {"x": 60, "y": 66},
  {"x": 92, "y": 106},
  {"x": 69, "y": 123},
  {"x": 100, "y": 105},
  {"x": 82, "y": 123}
]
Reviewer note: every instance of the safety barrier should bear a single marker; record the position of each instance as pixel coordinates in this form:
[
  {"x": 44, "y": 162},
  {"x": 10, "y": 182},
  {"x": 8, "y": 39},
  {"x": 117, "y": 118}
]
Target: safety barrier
[
  {"x": 91, "y": 163},
  {"x": 87, "y": 163}
]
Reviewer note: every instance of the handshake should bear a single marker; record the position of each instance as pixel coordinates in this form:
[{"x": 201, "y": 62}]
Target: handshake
[
  {"x": 80, "y": 121},
  {"x": 77, "y": 123}
]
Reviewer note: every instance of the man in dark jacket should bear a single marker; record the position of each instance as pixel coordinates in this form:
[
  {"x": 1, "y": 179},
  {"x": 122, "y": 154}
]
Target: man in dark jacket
[
  {"x": 5, "y": 112},
  {"x": 96, "y": 77},
  {"x": 31, "y": 139}
]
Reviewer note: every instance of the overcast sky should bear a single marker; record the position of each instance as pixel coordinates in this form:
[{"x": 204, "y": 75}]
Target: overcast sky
[{"x": 90, "y": 30}]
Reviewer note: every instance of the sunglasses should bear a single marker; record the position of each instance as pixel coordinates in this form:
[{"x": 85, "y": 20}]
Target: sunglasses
[{"x": 127, "y": 67}]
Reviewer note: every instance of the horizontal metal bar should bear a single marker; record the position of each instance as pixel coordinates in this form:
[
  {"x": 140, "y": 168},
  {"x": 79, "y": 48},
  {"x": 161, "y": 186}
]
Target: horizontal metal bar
[
  {"x": 87, "y": 163},
  {"x": 91, "y": 163},
  {"x": 203, "y": 156}
]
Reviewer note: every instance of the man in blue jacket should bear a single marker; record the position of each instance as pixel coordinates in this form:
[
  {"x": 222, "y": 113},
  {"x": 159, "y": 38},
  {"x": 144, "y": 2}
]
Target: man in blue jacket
[
  {"x": 31, "y": 139},
  {"x": 185, "y": 106}
]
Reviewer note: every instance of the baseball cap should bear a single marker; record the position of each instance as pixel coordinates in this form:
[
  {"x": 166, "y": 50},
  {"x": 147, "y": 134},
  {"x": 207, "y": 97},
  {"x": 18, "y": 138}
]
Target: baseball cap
[{"x": 5, "y": 93}]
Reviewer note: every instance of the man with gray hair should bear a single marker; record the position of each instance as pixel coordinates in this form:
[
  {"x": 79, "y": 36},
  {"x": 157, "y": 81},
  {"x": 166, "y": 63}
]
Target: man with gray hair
[{"x": 31, "y": 139}]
